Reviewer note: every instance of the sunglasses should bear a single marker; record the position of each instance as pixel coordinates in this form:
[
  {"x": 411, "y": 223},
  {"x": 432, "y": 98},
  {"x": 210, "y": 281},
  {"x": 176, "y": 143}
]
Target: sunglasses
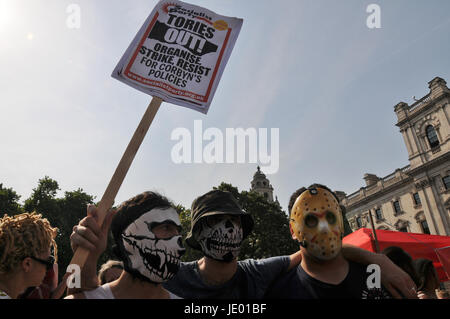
[{"x": 48, "y": 263}]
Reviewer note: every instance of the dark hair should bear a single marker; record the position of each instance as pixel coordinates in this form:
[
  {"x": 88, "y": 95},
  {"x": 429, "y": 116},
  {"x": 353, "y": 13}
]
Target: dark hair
[
  {"x": 403, "y": 260},
  {"x": 110, "y": 264},
  {"x": 424, "y": 269},
  {"x": 299, "y": 191},
  {"x": 131, "y": 210}
]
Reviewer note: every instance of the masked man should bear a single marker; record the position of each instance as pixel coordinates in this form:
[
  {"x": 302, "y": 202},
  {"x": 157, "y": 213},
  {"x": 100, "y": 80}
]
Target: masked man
[
  {"x": 146, "y": 231},
  {"x": 218, "y": 227},
  {"x": 316, "y": 223}
]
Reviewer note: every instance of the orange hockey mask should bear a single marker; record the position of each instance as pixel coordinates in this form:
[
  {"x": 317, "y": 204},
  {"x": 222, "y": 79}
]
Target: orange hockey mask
[{"x": 316, "y": 220}]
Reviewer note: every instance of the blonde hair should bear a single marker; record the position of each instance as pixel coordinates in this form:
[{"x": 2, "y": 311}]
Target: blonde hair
[{"x": 22, "y": 236}]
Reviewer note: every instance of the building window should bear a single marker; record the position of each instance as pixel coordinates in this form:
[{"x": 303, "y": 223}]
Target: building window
[
  {"x": 424, "y": 226},
  {"x": 417, "y": 199},
  {"x": 266, "y": 195},
  {"x": 432, "y": 136},
  {"x": 378, "y": 214},
  {"x": 403, "y": 229},
  {"x": 402, "y": 225},
  {"x": 446, "y": 181},
  {"x": 358, "y": 222},
  {"x": 397, "y": 209}
]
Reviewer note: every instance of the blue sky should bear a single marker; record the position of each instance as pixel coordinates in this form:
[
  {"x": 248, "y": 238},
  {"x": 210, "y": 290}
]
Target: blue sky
[{"x": 313, "y": 69}]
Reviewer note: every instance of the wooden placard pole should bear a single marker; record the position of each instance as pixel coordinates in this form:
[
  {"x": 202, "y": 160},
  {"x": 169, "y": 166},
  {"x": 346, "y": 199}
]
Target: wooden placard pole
[
  {"x": 81, "y": 254},
  {"x": 377, "y": 246}
]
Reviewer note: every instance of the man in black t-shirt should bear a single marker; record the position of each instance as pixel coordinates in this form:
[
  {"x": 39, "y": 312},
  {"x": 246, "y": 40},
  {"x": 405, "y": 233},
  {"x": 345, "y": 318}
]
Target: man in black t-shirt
[{"x": 316, "y": 222}]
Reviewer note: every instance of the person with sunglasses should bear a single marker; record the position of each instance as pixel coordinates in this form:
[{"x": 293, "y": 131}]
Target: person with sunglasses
[{"x": 26, "y": 241}]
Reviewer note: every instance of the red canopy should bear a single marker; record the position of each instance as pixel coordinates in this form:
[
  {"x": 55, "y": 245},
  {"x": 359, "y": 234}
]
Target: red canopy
[{"x": 436, "y": 248}]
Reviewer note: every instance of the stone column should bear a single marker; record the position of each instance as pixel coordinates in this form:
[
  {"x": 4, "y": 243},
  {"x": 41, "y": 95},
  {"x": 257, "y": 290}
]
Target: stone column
[{"x": 427, "y": 205}]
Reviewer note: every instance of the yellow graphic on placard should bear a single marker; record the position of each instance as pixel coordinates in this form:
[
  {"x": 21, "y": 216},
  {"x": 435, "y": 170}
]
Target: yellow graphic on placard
[{"x": 220, "y": 25}]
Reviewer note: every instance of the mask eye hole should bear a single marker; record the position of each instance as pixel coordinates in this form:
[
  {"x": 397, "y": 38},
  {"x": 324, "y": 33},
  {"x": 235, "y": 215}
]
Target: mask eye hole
[
  {"x": 331, "y": 218},
  {"x": 311, "y": 221},
  {"x": 166, "y": 230}
]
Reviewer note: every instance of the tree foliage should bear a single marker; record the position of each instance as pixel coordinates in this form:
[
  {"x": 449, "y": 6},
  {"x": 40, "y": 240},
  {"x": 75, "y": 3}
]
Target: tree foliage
[
  {"x": 9, "y": 202},
  {"x": 63, "y": 213},
  {"x": 185, "y": 218}
]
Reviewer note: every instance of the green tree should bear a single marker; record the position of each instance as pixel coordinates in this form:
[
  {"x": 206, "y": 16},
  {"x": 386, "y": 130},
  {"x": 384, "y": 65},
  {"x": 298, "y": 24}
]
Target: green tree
[
  {"x": 62, "y": 213},
  {"x": 9, "y": 202},
  {"x": 43, "y": 199},
  {"x": 71, "y": 209},
  {"x": 185, "y": 218}
]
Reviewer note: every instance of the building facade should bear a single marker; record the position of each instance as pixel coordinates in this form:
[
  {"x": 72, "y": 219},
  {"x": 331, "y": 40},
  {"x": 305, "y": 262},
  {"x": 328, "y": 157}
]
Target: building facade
[
  {"x": 260, "y": 184},
  {"x": 414, "y": 198}
]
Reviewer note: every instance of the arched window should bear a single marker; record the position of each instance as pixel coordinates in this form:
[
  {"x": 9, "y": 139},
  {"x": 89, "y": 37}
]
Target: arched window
[
  {"x": 422, "y": 221},
  {"x": 432, "y": 136},
  {"x": 401, "y": 225}
]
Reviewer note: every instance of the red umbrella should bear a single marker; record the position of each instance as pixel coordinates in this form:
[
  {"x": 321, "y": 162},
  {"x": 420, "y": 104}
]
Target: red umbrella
[{"x": 433, "y": 247}]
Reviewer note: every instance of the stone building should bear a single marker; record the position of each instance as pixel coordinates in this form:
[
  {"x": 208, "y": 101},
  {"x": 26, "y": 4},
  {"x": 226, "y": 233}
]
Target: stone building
[
  {"x": 261, "y": 185},
  {"x": 414, "y": 198}
]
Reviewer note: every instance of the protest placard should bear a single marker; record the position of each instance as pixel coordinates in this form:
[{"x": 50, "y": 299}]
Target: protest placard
[{"x": 179, "y": 54}]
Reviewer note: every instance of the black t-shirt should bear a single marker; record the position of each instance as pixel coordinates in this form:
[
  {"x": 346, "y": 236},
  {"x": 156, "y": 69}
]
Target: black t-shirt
[
  {"x": 297, "y": 284},
  {"x": 251, "y": 280}
]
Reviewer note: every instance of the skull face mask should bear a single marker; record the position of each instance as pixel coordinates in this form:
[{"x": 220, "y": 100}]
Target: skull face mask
[
  {"x": 220, "y": 237},
  {"x": 316, "y": 221},
  {"x": 157, "y": 259}
]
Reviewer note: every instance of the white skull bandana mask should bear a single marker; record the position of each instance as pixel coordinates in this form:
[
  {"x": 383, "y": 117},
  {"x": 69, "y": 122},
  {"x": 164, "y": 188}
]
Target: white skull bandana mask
[
  {"x": 221, "y": 241},
  {"x": 154, "y": 258}
]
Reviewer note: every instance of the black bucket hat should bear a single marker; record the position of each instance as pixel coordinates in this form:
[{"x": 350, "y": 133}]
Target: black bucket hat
[{"x": 217, "y": 202}]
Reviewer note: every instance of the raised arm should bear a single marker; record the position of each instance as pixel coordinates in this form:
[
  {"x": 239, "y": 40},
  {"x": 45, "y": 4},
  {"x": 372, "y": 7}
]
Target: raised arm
[{"x": 90, "y": 235}]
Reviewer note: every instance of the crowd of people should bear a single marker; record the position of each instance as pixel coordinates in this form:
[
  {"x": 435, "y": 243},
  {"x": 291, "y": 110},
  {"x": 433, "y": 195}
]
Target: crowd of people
[{"x": 148, "y": 245}]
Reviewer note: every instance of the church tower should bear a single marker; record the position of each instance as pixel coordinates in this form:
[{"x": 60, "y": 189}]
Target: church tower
[{"x": 261, "y": 185}]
